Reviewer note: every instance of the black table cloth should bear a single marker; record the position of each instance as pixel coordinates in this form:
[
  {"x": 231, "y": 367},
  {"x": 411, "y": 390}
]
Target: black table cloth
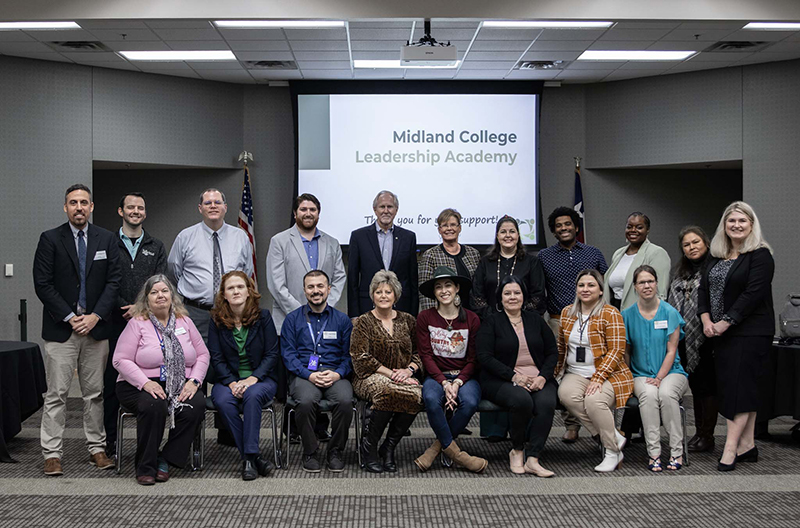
[
  {"x": 22, "y": 386},
  {"x": 779, "y": 389}
]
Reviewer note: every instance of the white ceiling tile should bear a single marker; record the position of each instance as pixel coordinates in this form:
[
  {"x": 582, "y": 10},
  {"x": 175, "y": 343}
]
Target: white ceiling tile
[
  {"x": 533, "y": 75},
  {"x": 451, "y": 23},
  {"x": 586, "y": 75},
  {"x": 480, "y": 74},
  {"x": 694, "y": 66},
  {"x": 634, "y": 34},
  {"x": 327, "y": 74},
  {"x": 376, "y": 45},
  {"x": 640, "y": 24},
  {"x": 376, "y": 55},
  {"x": 487, "y": 65},
  {"x": 148, "y": 66},
  {"x": 276, "y": 75},
  {"x": 647, "y": 65},
  {"x": 84, "y": 57},
  {"x": 509, "y": 34},
  {"x": 551, "y": 55},
  {"x": 580, "y": 34},
  {"x": 789, "y": 46},
  {"x": 500, "y": 45},
  {"x": 619, "y": 75},
  {"x": 705, "y": 35},
  {"x": 322, "y": 55},
  {"x": 178, "y": 24},
  {"x": 24, "y": 47},
  {"x": 156, "y": 45},
  {"x": 731, "y": 25},
  {"x": 445, "y": 35},
  {"x": 316, "y": 34},
  {"x": 400, "y": 35},
  {"x": 561, "y": 45},
  {"x": 232, "y": 34},
  {"x": 215, "y": 65},
  {"x": 678, "y": 45},
  {"x": 198, "y": 45},
  {"x": 52, "y": 56},
  {"x": 766, "y": 56},
  {"x": 324, "y": 65},
  {"x": 595, "y": 65},
  {"x": 621, "y": 45},
  {"x": 419, "y": 73},
  {"x": 123, "y": 65},
  {"x": 493, "y": 56},
  {"x": 177, "y": 73},
  {"x": 756, "y": 35},
  {"x": 720, "y": 56},
  {"x": 15, "y": 36},
  {"x": 794, "y": 37},
  {"x": 107, "y": 35},
  {"x": 382, "y": 24},
  {"x": 379, "y": 74},
  {"x": 226, "y": 75},
  {"x": 318, "y": 45},
  {"x": 258, "y": 45},
  {"x": 60, "y": 35},
  {"x": 264, "y": 55},
  {"x": 188, "y": 34},
  {"x": 111, "y": 24}
]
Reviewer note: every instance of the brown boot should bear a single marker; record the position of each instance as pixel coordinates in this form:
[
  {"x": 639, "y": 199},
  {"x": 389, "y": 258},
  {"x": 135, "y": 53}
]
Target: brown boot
[
  {"x": 425, "y": 461},
  {"x": 462, "y": 458},
  {"x": 706, "y": 441}
]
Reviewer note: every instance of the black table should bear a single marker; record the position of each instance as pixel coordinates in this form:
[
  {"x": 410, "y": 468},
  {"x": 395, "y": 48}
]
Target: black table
[
  {"x": 779, "y": 389},
  {"x": 22, "y": 386}
]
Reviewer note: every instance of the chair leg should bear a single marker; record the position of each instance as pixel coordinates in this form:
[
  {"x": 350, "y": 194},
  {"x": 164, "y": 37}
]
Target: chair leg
[
  {"x": 288, "y": 426},
  {"x": 120, "y": 436},
  {"x": 357, "y": 422},
  {"x": 685, "y": 441},
  {"x": 271, "y": 412}
]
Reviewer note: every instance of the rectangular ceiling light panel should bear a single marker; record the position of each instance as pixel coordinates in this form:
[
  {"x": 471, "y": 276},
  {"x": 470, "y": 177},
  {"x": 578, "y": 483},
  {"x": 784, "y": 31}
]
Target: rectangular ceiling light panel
[
  {"x": 777, "y": 26},
  {"x": 175, "y": 56},
  {"x": 39, "y": 25},
  {"x": 635, "y": 55},
  {"x": 550, "y": 24},
  {"x": 257, "y": 24},
  {"x": 361, "y": 63}
]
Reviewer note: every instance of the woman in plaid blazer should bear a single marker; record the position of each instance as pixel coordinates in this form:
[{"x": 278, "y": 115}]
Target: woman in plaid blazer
[{"x": 591, "y": 358}]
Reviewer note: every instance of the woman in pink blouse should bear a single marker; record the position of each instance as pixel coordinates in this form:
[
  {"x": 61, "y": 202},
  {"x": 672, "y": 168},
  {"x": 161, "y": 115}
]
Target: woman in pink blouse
[{"x": 161, "y": 360}]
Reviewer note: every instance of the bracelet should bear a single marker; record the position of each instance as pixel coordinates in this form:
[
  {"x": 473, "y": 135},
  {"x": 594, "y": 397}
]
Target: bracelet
[
  {"x": 458, "y": 382},
  {"x": 412, "y": 369}
]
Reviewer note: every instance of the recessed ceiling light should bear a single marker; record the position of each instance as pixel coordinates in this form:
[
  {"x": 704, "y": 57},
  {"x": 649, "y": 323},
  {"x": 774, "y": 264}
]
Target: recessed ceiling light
[
  {"x": 563, "y": 24},
  {"x": 361, "y": 63},
  {"x": 256, "y": 24},
  {"x": 179, "y": 55},
  {"x": 635, "y": 55},
  {"x": 39, "y": 25},
  {"x": 791, "y": 26}
]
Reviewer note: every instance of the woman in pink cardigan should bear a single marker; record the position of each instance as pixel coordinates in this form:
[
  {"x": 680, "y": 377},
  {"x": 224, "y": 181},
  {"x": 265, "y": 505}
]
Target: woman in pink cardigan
[{"x": 162, "y": 360}]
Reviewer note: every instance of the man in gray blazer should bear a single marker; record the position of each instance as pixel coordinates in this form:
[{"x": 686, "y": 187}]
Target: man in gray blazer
[{"x": 295, "y": 252}]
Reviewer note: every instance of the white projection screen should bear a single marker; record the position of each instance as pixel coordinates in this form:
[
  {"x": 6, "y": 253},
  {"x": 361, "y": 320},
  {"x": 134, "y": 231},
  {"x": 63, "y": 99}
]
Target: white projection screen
[{"x": 476, "y": 153}]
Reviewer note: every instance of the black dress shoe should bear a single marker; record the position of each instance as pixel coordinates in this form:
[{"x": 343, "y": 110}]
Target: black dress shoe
[
  {"x": 703, "y": 445},
  {"x": 249, "y": 471},
  {"x": 323, "y": 435},
  {"x": 726, "y": 467},
  {"x": 748, "y": 456},
  {"x": 264, "y": 466}
]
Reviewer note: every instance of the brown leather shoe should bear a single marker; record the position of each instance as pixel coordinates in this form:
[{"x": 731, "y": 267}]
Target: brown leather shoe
[
  {"x": 162, "y": 476},
  {"x": 570, "y": 436},
  {"x": 145, "y": 480},
  {"x": 52, "y": 467},
  {"x": 100, "y": 460}
]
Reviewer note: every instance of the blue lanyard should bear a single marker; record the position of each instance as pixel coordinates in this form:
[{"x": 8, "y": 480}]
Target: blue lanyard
[
  {"x": 316, "y": 340},
  {"x": 160, "y": 339}
]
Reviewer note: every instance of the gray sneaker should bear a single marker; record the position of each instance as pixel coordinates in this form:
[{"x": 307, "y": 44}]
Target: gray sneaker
[
  {"x": 335, "y": 462},
  {"x": 311, "y": 462}
]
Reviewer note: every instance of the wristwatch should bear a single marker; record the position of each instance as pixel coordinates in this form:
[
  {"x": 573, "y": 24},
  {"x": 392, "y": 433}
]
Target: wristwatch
[
  {"x": 197, "y": 383},
  {"x": 458, "y": 381},
  {"x": 412, "y": 369}
]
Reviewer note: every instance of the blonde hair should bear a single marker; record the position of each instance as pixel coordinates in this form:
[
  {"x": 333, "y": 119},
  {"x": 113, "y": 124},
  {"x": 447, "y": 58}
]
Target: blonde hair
[
  {"x": 141, "y": 307},
  {"x": 721, "y": 246},
  {"x": 576, "y": 304},
  {"x": 386, "y": 277}
]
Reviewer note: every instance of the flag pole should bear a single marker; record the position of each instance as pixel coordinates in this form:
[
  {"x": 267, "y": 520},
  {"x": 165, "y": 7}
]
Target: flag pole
[{"x": 246, "y": 212}]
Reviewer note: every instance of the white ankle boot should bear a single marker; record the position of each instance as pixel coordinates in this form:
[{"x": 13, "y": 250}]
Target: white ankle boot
[
  {"x": 610, "y": 462},
  {"x": 621, "y": 440}
]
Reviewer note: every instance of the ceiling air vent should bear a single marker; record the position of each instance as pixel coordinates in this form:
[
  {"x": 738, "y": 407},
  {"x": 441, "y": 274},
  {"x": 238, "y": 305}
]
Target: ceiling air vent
[
  {"x": 738, "y": 46},
  {"x": 542, "y": 65},
  {"x": 79, "y": 45},
  {"x": 270, "y": 65}
]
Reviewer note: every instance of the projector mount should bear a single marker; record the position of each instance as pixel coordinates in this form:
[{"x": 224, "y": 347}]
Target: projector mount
[{"x": 427, "y": 39}]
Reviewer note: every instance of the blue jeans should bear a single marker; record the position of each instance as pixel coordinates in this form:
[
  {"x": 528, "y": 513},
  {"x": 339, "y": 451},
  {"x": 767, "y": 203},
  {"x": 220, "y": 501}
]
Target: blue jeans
[
  {"x": 246, "y": 429},
  {"x": 469, "y": 395}
]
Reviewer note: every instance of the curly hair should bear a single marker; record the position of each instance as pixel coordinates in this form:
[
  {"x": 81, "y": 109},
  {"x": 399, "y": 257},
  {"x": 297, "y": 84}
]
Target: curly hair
[
  {"x": 222, "y": 313},
  {"x": 563, "y": 211}
]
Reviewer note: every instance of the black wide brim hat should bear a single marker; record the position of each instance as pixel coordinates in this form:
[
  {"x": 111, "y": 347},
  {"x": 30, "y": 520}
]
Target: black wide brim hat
[{"x": 444, "y": 272}]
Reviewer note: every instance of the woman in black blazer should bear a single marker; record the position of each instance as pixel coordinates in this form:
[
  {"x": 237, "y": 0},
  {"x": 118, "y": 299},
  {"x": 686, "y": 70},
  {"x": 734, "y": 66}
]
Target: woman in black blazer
[
  {"x": 735, "y": 306},
  {"x": 517, "y": 373},
  {"x": 244, "y": 353}
]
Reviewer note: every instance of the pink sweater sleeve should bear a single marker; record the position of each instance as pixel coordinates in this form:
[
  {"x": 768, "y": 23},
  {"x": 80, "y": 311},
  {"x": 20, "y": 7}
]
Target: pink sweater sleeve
[
  {"x": 200, "y": 367},
  {"x": 125, "y": 354}
]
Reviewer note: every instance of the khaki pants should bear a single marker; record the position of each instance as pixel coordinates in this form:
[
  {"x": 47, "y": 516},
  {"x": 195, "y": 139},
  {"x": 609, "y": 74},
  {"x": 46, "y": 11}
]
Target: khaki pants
[
  {"x": 570, "y": 422},
  {"x": 89, "y": 357},
  {"x": 659, "y": 405},
  {"x": 595, "y": 412}
]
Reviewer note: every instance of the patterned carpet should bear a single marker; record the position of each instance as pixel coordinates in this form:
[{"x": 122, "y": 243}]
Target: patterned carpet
[{"x": 766, "y": 494}]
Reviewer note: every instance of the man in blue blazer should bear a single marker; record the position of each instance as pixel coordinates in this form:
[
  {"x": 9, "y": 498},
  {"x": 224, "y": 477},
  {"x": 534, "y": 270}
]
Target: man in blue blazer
[
  {"x": 382, "y": 245},
  {"x": 76, "y": 275}
]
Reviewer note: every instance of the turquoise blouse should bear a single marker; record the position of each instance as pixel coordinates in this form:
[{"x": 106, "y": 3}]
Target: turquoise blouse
[{"x": 649, "y": 343}]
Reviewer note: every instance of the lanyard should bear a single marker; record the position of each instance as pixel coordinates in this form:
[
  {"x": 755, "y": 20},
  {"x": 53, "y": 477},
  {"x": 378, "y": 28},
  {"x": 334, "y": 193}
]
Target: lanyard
[
  {"x": 160, "y": 340},
  {"x": 316, "y": 340},
  {"x": 582, "y": 325}
]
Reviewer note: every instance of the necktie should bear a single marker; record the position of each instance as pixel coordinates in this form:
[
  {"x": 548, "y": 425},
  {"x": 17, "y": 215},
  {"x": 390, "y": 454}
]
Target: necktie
[
  {"x": 217, "y": 265},
  {"x": 82, "y": 271}
]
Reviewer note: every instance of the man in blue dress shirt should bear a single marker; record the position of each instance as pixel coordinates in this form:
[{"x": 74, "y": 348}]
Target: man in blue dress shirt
[{"x": 315, "y": 345}]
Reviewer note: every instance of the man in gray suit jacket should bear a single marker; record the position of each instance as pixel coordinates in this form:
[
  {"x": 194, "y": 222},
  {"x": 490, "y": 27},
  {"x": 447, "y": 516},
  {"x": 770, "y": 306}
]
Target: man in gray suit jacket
[{"x": 295, "y": 252}]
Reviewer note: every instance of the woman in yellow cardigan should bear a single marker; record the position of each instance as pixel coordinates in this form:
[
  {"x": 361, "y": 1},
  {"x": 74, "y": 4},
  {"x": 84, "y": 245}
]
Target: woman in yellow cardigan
[{"x": 591, "y": 358}]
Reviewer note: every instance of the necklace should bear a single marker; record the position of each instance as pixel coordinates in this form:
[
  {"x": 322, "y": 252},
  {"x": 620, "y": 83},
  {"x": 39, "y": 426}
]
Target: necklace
[
  {"x": 513, "y": 323},
  {"x": 513, "y": 265}
]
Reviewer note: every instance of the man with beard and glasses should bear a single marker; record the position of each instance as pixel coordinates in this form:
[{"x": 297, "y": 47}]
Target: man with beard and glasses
[
  {"x": 140, "y": 256},
  {"x": 315, "y": 345}
]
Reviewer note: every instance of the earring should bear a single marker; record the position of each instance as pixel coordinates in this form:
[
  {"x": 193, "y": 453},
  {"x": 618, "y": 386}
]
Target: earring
[{"x": 457, "y": 300}]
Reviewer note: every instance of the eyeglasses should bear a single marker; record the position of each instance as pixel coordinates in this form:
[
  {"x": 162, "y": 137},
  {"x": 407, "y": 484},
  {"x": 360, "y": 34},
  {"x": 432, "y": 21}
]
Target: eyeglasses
[
  {"x": 646, "y": 283},
  {"x": 215, "y": 202}
]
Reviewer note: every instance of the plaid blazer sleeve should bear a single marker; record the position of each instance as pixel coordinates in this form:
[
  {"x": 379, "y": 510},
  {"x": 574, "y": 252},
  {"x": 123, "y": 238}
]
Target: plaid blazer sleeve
[{"x": 612, "y": 367}]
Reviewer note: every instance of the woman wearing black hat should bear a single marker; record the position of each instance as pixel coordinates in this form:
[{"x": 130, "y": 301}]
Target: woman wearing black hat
[{"x": 446, "y": 345}]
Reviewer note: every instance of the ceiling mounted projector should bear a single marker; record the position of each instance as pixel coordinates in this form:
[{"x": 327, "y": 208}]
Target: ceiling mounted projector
[{"x": 428, "y": 53}]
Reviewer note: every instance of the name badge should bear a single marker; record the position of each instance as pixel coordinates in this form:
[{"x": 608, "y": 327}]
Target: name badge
[
  {"x": 660, "y": 325},
  {"x": 100, "y": 255},
  {"x": 163, "y": 373},
  {"x": 329, "y": 334},
  {"x": 181, "y": 330},
  {"x": 313, "y": 362}
]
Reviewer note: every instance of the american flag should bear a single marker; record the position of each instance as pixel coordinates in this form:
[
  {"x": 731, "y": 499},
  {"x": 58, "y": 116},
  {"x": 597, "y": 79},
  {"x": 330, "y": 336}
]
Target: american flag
[
  {"x": 246, "y": 219},
  {"x": 579, "y": 206}
]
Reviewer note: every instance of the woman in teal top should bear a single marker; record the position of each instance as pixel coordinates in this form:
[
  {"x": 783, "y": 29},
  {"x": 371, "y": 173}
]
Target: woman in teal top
[{"x": 653, "y": 329}]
